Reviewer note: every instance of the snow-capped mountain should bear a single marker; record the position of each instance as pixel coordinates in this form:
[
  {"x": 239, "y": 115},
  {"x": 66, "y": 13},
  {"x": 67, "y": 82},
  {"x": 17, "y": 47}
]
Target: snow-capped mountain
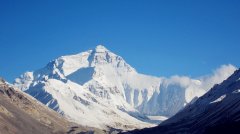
[
  {"x": 218, "y": 111},
  {"x": 98, "y": 88}
]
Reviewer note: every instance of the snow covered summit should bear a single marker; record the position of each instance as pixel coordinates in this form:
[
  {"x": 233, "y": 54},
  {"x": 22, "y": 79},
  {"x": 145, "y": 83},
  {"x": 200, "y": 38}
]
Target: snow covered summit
[{"x": 98, "y": 88}]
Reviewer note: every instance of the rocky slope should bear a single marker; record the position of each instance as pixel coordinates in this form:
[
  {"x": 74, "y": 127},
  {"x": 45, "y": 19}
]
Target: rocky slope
[{"x": 21, "y": 114}]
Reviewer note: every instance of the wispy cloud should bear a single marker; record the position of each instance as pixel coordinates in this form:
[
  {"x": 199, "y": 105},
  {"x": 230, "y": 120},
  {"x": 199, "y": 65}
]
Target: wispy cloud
[
  {"x": 196, "y": 87},
  {"x": 218, "y": 76}
]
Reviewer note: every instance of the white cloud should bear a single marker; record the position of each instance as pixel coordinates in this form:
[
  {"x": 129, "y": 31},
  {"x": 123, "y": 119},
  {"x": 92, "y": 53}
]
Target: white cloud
[
  {"x": 204, "y": 82},
  {"x": 218, "y": 76},
  {"x": 182, "y": 81},
  {"x": 197, "y": 87}
]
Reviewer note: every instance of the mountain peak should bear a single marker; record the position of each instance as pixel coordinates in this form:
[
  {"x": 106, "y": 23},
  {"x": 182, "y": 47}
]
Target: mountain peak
[{"x": 101, "y": 48}]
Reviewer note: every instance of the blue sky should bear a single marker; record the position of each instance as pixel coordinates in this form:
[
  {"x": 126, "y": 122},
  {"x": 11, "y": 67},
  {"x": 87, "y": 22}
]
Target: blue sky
[{"x": 160, "y": 38}]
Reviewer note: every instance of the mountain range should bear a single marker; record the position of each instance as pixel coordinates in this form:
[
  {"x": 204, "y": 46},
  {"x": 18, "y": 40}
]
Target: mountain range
[{"x": 97, "y": 88}]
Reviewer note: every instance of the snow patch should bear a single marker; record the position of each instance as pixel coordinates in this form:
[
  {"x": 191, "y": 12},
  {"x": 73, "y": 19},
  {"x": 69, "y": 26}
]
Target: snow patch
[
  {"x": 236, "y": 91},
  {"x": 219, "y": 99},
  {"x": 158, "y": 118}
]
